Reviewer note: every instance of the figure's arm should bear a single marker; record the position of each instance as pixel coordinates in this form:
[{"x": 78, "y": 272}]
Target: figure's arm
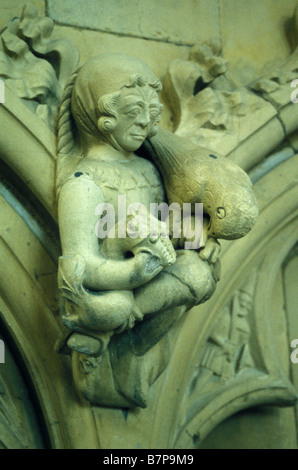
[
  {"x": 190, "y": 281},
  {"x": 78, "y": 200},
  {"x": 209, "y": 247}
]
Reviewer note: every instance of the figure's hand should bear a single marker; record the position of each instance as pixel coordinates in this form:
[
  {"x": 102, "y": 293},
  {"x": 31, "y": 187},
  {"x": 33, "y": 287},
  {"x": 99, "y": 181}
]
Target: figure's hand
[
  {"x": 160, "y": 248},
  {"x": 145, "y": 267},
  {"x": 152, "y": 237},
  {"x": 89, "y": 345},
  {"x": 144, "y": 233},
  {"x": 211, "y": 251},
  {"x": 191, "y": 234}
]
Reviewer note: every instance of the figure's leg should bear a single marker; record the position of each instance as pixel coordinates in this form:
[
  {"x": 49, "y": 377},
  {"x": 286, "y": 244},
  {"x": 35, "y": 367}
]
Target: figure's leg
[
  {"x": 99, "y": 311},
  {"x": 94, "y": 318},
  {"x": 189, "y": 281}
]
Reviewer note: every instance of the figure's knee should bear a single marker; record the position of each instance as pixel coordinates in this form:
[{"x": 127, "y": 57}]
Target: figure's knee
[
  {"x": 200, "y": 276},
  {"x": 109, "y": 310},
  {"x": 206, "y": 284}
]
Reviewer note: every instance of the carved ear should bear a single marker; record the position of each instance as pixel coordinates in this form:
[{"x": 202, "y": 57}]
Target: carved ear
[{"x": 106, "y": 124}]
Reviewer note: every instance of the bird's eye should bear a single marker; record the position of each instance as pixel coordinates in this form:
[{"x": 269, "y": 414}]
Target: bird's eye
[{"x": 220, "y": 213}]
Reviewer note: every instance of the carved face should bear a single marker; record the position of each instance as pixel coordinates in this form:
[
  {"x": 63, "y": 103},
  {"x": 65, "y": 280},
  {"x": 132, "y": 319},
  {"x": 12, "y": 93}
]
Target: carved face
[
  {"x": 138, "y": 109},
  {"x": 245, "y": 303}
]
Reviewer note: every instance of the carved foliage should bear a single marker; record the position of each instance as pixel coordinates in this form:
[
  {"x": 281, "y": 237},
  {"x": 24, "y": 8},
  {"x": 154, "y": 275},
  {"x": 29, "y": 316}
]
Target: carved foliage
[
  {"x": 34, "y": 66},
  {"x": 206, "y": 108},
  {"x": 210, "y": 110}
]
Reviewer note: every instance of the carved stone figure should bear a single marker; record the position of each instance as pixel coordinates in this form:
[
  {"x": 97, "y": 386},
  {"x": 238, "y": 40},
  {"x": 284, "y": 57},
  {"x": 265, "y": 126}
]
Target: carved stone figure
[
  {"x": 226, "y": 353},
  {"x": 194, "y": 174},
  {"x": 123, "y": 323},
  {"x": 105, "y": 291}
]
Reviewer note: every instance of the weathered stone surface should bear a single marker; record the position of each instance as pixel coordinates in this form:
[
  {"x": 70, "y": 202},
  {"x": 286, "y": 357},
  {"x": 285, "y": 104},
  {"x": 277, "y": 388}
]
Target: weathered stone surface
[
  {"x": 12, "y": 8},
  {"x": 293, "y": 138},
  {"x": 189, "y": 370},
  {"x": 158, "y": 55},
  {"x": 153, "y": 20},
  {"x": 291, "y": 299},
  {"x": 253, "y": 34},
  {"x": 91, "y": 43},
  {"x": 259, "y": 428}
]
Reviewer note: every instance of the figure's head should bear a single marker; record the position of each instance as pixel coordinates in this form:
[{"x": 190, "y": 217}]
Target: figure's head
[
  {"x": 234, "y": 212},
  {"x": 116, "y": 99},
  {"x": 245, "y": 303}
]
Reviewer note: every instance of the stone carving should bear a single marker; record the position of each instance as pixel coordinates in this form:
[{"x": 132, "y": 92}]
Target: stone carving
[
  {"x": 10, "y": 425},
  {"x": 227, "y": 350},
  {"x": 230, "y": 367},
  {"x": 35, "y": 66},
  {"x": 192, "y": 174},
  {"x": 107, "y": 287},
  {"x": 211, "y": 111},
  {"x": 124, "y": 327}
]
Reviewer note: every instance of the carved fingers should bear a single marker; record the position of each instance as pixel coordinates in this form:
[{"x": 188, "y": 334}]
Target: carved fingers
[
  {"x": 211, "y": 251},
  {"x": 160, "y": 248},
  {"x": 89, "y": 345}
]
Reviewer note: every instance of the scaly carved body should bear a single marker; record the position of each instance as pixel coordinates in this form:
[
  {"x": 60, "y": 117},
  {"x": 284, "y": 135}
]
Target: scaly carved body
[{"x": 193, "y": 174}]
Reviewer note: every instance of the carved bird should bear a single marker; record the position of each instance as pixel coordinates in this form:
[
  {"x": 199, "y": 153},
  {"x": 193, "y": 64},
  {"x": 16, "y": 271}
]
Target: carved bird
[{"x": 193, "y": 174}]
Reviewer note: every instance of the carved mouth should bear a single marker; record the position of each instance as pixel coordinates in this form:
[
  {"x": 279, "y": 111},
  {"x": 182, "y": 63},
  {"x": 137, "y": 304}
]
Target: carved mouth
[{"x": 139, "y": 136}]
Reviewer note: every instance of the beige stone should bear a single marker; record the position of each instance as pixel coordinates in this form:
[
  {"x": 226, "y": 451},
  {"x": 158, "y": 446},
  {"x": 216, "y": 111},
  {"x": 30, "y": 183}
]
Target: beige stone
[
  {"x": 253, "y": 34},
  {"x": 149, "y": 356},
  {"x": 243, "y": 430},
  {"x": 13, "y": 8},
  {"x": 151, "y": 20},
  {"x": 293, "y": 138},
  {"x": 115, "y": 106},
  {"x": 157, "y": 55},
  {"x": 291, "y": 300}
]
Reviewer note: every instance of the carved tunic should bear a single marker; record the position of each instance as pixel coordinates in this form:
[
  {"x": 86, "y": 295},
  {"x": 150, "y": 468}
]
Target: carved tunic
[{"x": 137, "y": 179}]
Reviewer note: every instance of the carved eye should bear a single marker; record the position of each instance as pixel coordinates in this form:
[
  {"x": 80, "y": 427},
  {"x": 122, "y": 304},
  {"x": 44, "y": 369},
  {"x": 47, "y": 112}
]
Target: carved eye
[
  {"x": 220, "y": 213},
  {"x": 153, "y": 238},
  {"x": 133, "y": 112},
  {"x": 154, "y": 113}
]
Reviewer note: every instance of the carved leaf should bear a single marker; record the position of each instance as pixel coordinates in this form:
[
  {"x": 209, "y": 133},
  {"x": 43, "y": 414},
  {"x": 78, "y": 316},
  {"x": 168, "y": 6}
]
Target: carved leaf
[
  {"x": 30, "y": 77},
  {"x": 35, "y": 66},
  {"x": 209, "y": 60},
  {"x": 61, "y": 54},
  {"x": 211, "y": 112},
  {"x": 203, "y": 112},
  {"x": 279, "y": 77}
]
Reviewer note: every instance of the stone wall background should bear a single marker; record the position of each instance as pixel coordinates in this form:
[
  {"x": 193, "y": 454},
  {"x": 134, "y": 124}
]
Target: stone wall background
[{"x": 251, "y": 34}]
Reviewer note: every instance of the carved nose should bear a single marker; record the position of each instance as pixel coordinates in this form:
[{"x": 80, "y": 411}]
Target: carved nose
[{"x": 144, "y": 119}]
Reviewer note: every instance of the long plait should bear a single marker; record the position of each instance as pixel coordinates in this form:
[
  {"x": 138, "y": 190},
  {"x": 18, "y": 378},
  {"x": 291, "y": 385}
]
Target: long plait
[
  {"x": 65, "y": 132},
  {"x": 66, "y": 157}
]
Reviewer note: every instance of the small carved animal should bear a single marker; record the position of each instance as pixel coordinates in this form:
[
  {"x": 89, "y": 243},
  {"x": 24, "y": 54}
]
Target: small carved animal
[{"x": 193, "y": 174}]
